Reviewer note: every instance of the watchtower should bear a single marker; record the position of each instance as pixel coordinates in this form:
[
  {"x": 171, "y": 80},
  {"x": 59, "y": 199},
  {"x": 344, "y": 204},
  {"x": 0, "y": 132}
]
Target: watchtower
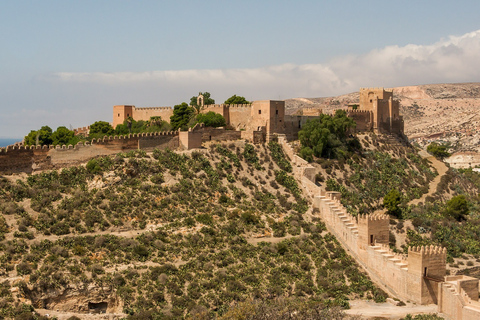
[
  {"x": 372, "y": 229},
  {"x": 121, "y": 113},
  {"x": 427, "y": 267},
  {"x": 386, "y": 110},
  {"x": 270, "y": 115}
]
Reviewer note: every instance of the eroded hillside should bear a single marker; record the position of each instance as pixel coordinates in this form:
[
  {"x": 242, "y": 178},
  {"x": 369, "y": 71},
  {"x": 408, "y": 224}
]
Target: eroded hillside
[{"x": 177, "y": 235}]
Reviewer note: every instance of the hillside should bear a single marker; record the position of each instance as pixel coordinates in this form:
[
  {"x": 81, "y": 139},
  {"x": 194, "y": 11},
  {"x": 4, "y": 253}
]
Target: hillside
[
  {"x": 436, "y": 206},
  {"x": 169, "y": 234},
  {"x": 445, "y": 112}
]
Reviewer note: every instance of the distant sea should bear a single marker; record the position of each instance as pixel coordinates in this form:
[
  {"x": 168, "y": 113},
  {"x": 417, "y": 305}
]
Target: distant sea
[{"x": 6, "y": 142}]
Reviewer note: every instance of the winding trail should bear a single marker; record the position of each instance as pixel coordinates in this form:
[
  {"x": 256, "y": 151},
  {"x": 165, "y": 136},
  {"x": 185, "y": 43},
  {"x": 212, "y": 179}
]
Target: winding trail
[{"x": 441, "y": 168}]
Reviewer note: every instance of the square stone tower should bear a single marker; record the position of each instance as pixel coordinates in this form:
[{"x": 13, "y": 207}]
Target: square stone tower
[
  {"x": 269, "y": 114},
  {"x": 426, "y": 267},
  {"x": 373, "y": 229},
  {"x": 121, "y": 113},
  {"x": 386, "y": 110}
]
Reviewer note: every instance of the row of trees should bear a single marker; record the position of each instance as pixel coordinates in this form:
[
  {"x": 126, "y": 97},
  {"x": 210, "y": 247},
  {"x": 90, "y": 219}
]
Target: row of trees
[
  {"x": 208, "y": 100},
  {"x": 45, "y": 136},
  {"x": 184, "y": 116}
]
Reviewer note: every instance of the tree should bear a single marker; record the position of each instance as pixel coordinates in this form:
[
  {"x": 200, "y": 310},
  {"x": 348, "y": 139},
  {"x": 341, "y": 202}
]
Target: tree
[
  {"x": 327, "y": 136},
  {"x": 182, "y": 114},
  {"x": 206, "y": 101},
  {"x": 457, "y": 207},
  {"x": 63, "y": 136},
  {"x": 155, "y": 124},
  {"x": 211, "y": 119},
  {"x": 438, "y": 150},
  {"x": 40, "y": 137},
  {"x": 236, "y": 100},
  {"x": 30, "y": 139},
  {"x": 155, "y": 121},
  {"x": 101, "y": 128},
  {"x": 391, "y": 202}
]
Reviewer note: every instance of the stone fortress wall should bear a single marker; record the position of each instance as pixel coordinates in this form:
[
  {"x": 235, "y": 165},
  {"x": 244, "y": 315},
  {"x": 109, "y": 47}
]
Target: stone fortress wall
[
  {"x": 419, "y": 276},
  {"x": 267, "y": 116},
  {"x": 377, "y": 111},
  {"x": 122, "y": 112},
  {"x": 30, "y": 159}
]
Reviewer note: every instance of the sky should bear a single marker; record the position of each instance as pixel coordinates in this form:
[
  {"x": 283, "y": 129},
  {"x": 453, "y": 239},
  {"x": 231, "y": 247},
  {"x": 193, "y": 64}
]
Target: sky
[{"x": 67, "y": 63}]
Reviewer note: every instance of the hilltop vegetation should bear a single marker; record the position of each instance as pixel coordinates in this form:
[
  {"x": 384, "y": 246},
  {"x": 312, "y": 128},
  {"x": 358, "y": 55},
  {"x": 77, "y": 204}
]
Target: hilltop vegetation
[
  {"x": 198, "y": 218},
  {"x": 451, "y": 216},
  {"x": 380, "y": 165}
]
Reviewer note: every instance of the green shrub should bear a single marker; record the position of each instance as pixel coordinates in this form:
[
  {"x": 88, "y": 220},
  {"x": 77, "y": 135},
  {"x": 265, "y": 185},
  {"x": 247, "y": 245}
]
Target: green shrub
[{"x": 93, "y": 166}]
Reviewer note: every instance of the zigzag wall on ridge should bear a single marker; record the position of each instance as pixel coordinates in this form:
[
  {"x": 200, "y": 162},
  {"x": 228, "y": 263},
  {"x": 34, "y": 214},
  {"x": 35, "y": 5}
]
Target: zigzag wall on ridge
[{"x": 413, "y": 278}]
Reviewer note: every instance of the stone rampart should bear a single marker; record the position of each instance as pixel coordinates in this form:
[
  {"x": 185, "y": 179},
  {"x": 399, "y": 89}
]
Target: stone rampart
[
  {"x": 220, "y": 134},
  {"x": 240, "y": 116},
  {"x": 362, "y": 118},
  {"x": 82, "y": 131},
  {"x": 33, "y": 158},
  {"x": 146, "y": 113},
  {"x": 362, "y": 237},
  {"x": 366, "y": 238},
  {"x": 458, "y": 298}
]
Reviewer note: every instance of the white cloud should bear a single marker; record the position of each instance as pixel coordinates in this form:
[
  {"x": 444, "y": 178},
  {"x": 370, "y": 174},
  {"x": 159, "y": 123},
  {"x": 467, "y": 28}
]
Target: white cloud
[
  {"x": 455, "y": 59},
  {"x": 82, "y": 98}
]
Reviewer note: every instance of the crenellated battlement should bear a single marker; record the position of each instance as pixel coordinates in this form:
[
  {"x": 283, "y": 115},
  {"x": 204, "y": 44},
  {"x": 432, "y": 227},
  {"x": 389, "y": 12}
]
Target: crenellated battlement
[
  {"x": 81, "y": 130},
  {"x": 373, "y": 217},
  {"x": 245, "y": 106},
  {"x": 106, "y": 139},
  {"x": 349, "y": 110},
  {"x": 32, "y": 158},
  {"x": 211, "y": 106},
  {"x": 428, "y": 250},
  {"x": 153, "y": 108}
]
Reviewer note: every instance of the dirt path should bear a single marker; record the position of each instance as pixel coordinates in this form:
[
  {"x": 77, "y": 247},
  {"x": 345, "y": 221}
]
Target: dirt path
[
  {"x": 441, "y": 169},
  {"x": 63, "y": 315},
  {"x": 372, "y": 310}
]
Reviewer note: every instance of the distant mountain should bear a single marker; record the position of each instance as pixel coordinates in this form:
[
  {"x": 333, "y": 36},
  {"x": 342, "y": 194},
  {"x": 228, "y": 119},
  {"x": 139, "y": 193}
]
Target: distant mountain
[{"x": 445, "y": 112}]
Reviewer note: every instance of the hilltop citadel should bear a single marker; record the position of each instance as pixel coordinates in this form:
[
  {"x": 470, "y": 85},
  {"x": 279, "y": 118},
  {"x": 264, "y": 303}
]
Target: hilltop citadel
[{"x": 420, "y": 277}]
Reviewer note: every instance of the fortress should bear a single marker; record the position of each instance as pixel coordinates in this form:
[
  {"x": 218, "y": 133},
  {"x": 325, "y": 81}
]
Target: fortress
[
  {"x": 418, "y": 277},
  {"x": 376, "y": 111},
  {"x": 265, "y": 116}
]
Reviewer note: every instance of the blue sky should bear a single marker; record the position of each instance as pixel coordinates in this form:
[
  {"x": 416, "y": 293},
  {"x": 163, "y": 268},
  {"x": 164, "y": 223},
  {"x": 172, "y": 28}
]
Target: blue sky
[{"x": 68, "y": 62}]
